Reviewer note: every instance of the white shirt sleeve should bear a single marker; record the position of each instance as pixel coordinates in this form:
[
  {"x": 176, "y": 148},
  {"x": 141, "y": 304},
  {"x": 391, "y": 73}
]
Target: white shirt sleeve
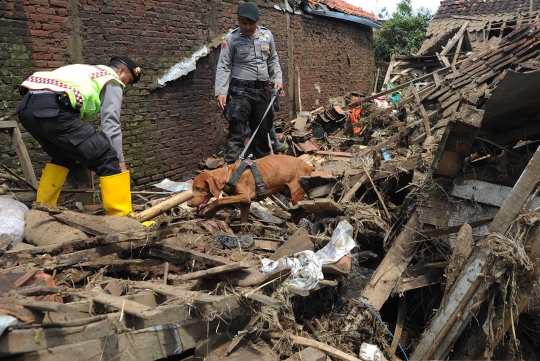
[{"x": 111, "y": 104}]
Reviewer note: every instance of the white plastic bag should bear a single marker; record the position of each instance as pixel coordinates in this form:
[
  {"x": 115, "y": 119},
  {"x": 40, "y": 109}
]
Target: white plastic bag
[
  {"x": 12, "y": 218},
  {"x": 306, "y": 269},
  {"x": 342, "y": 242}
]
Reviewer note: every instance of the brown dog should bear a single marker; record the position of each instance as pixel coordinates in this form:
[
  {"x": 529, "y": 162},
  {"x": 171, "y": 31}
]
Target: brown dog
[{"x": 280, "y": 174}]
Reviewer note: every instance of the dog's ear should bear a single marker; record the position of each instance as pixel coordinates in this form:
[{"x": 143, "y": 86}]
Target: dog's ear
[{"x": 214, "y": 185}]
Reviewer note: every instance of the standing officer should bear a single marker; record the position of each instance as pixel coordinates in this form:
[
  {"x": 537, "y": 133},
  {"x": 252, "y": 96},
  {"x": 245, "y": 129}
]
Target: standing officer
[
  {"x": 247, "y": 62},
  {"x": 54, "y": 109}
]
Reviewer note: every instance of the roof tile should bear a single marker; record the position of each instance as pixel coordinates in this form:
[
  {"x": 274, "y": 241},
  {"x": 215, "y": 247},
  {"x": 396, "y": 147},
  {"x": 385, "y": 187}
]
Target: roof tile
[{"x": 343, "y": 7}]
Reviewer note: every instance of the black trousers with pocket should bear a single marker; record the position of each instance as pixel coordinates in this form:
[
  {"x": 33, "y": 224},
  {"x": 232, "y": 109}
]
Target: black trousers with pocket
[
  {"x": 64, "y": 136},
  {"x": 244, "y": 113}
]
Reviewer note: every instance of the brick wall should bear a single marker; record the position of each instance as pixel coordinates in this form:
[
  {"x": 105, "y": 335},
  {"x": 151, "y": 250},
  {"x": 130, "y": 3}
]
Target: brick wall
[{"x": 169, "y": 129}]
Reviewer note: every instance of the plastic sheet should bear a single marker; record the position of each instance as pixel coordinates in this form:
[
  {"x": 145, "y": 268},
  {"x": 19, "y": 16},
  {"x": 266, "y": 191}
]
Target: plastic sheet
[
  {"x": 306, "y": 269},
  {"x": 12, "y": 216},
  {"x": 307, "y": 266},
  {"x": 342, "y": 242},
  {"x": 173, "y": 186}
]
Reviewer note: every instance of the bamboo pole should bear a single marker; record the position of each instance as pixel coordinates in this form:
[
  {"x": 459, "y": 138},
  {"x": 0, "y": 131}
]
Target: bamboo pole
[
  {"x": 164, "y": 206},
  {"x": 318, "y": 345}
]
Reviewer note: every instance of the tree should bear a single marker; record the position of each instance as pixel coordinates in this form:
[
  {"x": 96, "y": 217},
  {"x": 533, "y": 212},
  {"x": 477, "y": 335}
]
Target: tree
[{"x": 403, "y": 33}]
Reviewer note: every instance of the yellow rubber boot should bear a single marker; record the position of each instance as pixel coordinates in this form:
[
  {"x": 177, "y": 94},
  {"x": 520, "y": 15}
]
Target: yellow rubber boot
[
  {"x": 51, "y": 183},
  {"x": 116, "y": 194}
]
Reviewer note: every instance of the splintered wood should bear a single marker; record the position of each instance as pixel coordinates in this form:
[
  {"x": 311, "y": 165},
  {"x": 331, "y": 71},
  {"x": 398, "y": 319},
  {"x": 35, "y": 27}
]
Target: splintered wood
[{"x": 421, "y": 218}]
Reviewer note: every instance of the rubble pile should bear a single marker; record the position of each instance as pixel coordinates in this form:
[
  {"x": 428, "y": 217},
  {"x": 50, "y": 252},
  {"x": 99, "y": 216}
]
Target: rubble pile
[{"x": 418, "y": 239}]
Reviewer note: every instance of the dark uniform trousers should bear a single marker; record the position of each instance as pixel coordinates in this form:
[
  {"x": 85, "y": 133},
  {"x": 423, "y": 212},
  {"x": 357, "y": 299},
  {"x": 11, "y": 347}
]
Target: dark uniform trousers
[
  {"x": 244, "y": 111},
  {"x": 49, "y": 118}
]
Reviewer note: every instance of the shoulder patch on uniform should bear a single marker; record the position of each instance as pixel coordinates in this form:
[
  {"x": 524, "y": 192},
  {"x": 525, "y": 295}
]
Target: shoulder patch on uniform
[
  {"x": 235, "y": 30},
  {"x": 264, "y": 37}
]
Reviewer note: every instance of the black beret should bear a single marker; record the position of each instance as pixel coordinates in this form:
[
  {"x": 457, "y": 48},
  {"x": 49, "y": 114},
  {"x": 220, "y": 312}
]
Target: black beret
[
  {"x": 134, "y": 69},
  {"x": 249, "y": 11}
]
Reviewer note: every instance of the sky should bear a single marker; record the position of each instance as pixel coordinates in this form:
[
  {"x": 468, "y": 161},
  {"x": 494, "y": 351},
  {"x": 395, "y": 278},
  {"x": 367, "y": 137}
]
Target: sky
[{"x": 375, "y": 6}]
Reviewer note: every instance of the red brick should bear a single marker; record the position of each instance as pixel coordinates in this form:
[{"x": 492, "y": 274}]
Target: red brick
[
  {"x": 29, "y": 9},
  {"x": 59, "y": 3},
  {"x": 51, "y": 27},
  {"x": 39, "y": 33},
  {"x": 39, "y": 17},
  {"x": 46, "y": 11},
  {"x": 58, "y": 19},
  {"x": 42, "y": 56},
  {"x": 7, "y": 7},
  {"x": 39, "y": 49},
  {"x": 55, "y": 64}
]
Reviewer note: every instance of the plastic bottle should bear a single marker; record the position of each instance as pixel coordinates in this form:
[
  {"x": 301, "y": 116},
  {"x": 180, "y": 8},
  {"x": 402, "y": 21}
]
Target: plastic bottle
[{"x": 385, "y": 154}]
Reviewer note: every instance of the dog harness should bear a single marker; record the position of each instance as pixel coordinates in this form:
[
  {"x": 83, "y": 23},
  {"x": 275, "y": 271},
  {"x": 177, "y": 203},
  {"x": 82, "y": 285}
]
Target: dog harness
[{"x": 230, "y": 186}]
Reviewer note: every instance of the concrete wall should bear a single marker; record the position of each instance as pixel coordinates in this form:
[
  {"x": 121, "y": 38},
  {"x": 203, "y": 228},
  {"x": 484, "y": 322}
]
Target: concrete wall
[{"x": 168, "y": 129}]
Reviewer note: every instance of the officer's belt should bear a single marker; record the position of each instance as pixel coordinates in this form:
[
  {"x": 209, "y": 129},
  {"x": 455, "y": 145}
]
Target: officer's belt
[
  {"x": 254, "y": 84},
  {"x": 230, "y": 186}
]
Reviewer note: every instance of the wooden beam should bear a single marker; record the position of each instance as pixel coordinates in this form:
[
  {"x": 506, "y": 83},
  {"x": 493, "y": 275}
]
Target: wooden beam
[
  {"x": 153, "y": 343},
  {"x": 169, "y": 251},
  {"x": 22, "y": 154},
  {"x": 395, "y": 261},
  {"x": 402, "y": 312},
  {"x": 388, "y": 71},
  {"x": 455, "y": 38},
  {"x": 65, "y": 260},
  {"x": 215, "y": 271},
  {"x": 425, "y": 116},
  {"x": 518, "y": 196},
  {"x": 478, "y": 348},
  {"x": 457, "y": 309},
  {"x": 119, "y": 303},
  {"x": 456, "y": 54}
]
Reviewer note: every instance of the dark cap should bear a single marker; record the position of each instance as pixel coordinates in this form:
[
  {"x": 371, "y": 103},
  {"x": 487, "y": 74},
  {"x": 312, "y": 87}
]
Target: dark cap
[
  {"x": 130, "y": 64},
  {"x": 249, "y": 11}
]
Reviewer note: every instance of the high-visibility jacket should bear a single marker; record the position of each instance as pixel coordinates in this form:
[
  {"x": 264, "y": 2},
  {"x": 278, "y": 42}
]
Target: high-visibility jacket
[{"x": 82, "y": 83}]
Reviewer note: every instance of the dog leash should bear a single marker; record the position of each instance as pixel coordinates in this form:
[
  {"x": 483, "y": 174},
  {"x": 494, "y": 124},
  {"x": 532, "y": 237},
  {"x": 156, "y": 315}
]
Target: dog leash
[{"x": 241, "y": 157}]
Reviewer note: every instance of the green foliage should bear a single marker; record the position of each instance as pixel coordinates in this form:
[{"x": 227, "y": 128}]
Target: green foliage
[{"x": 403, "y": 32}]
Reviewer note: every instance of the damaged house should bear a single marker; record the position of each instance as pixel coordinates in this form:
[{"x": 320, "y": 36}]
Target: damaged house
[{"x": 417, "y": 237}]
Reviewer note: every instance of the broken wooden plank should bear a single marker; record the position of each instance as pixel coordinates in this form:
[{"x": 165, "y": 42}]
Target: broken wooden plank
[
  {"x": 119, "y": 303},
  {"x": 425, "y": 116},
  {"x": 454, "y": 229},
  {"x": 392, "y": 266},
  {"x": 402, "y": 312},
  {"x": 518, "y": 196},
  {"x": 477, "y": 343},
  {"x": 215, "y": 271},
  {"x": 44, "y": 306},
  {"x": 347, "y": 197},
  {"x": 22, "y": 153},
  {"x": 459, "y": 306},
  {"x": 209, "y": 304},
  {"x": 65, "y": 260},
  {"x": 169, "y": 251},
  {"x": 455, "y": 38},
  {"x": 337, "y": 154},
  {"x": 60, "y": 341},
  {"x": 153, "y": 343},
  {"x": 462, "y": 251},
  {"x": 484, "y": 192},
  {"x": 261, "y": 298}
]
